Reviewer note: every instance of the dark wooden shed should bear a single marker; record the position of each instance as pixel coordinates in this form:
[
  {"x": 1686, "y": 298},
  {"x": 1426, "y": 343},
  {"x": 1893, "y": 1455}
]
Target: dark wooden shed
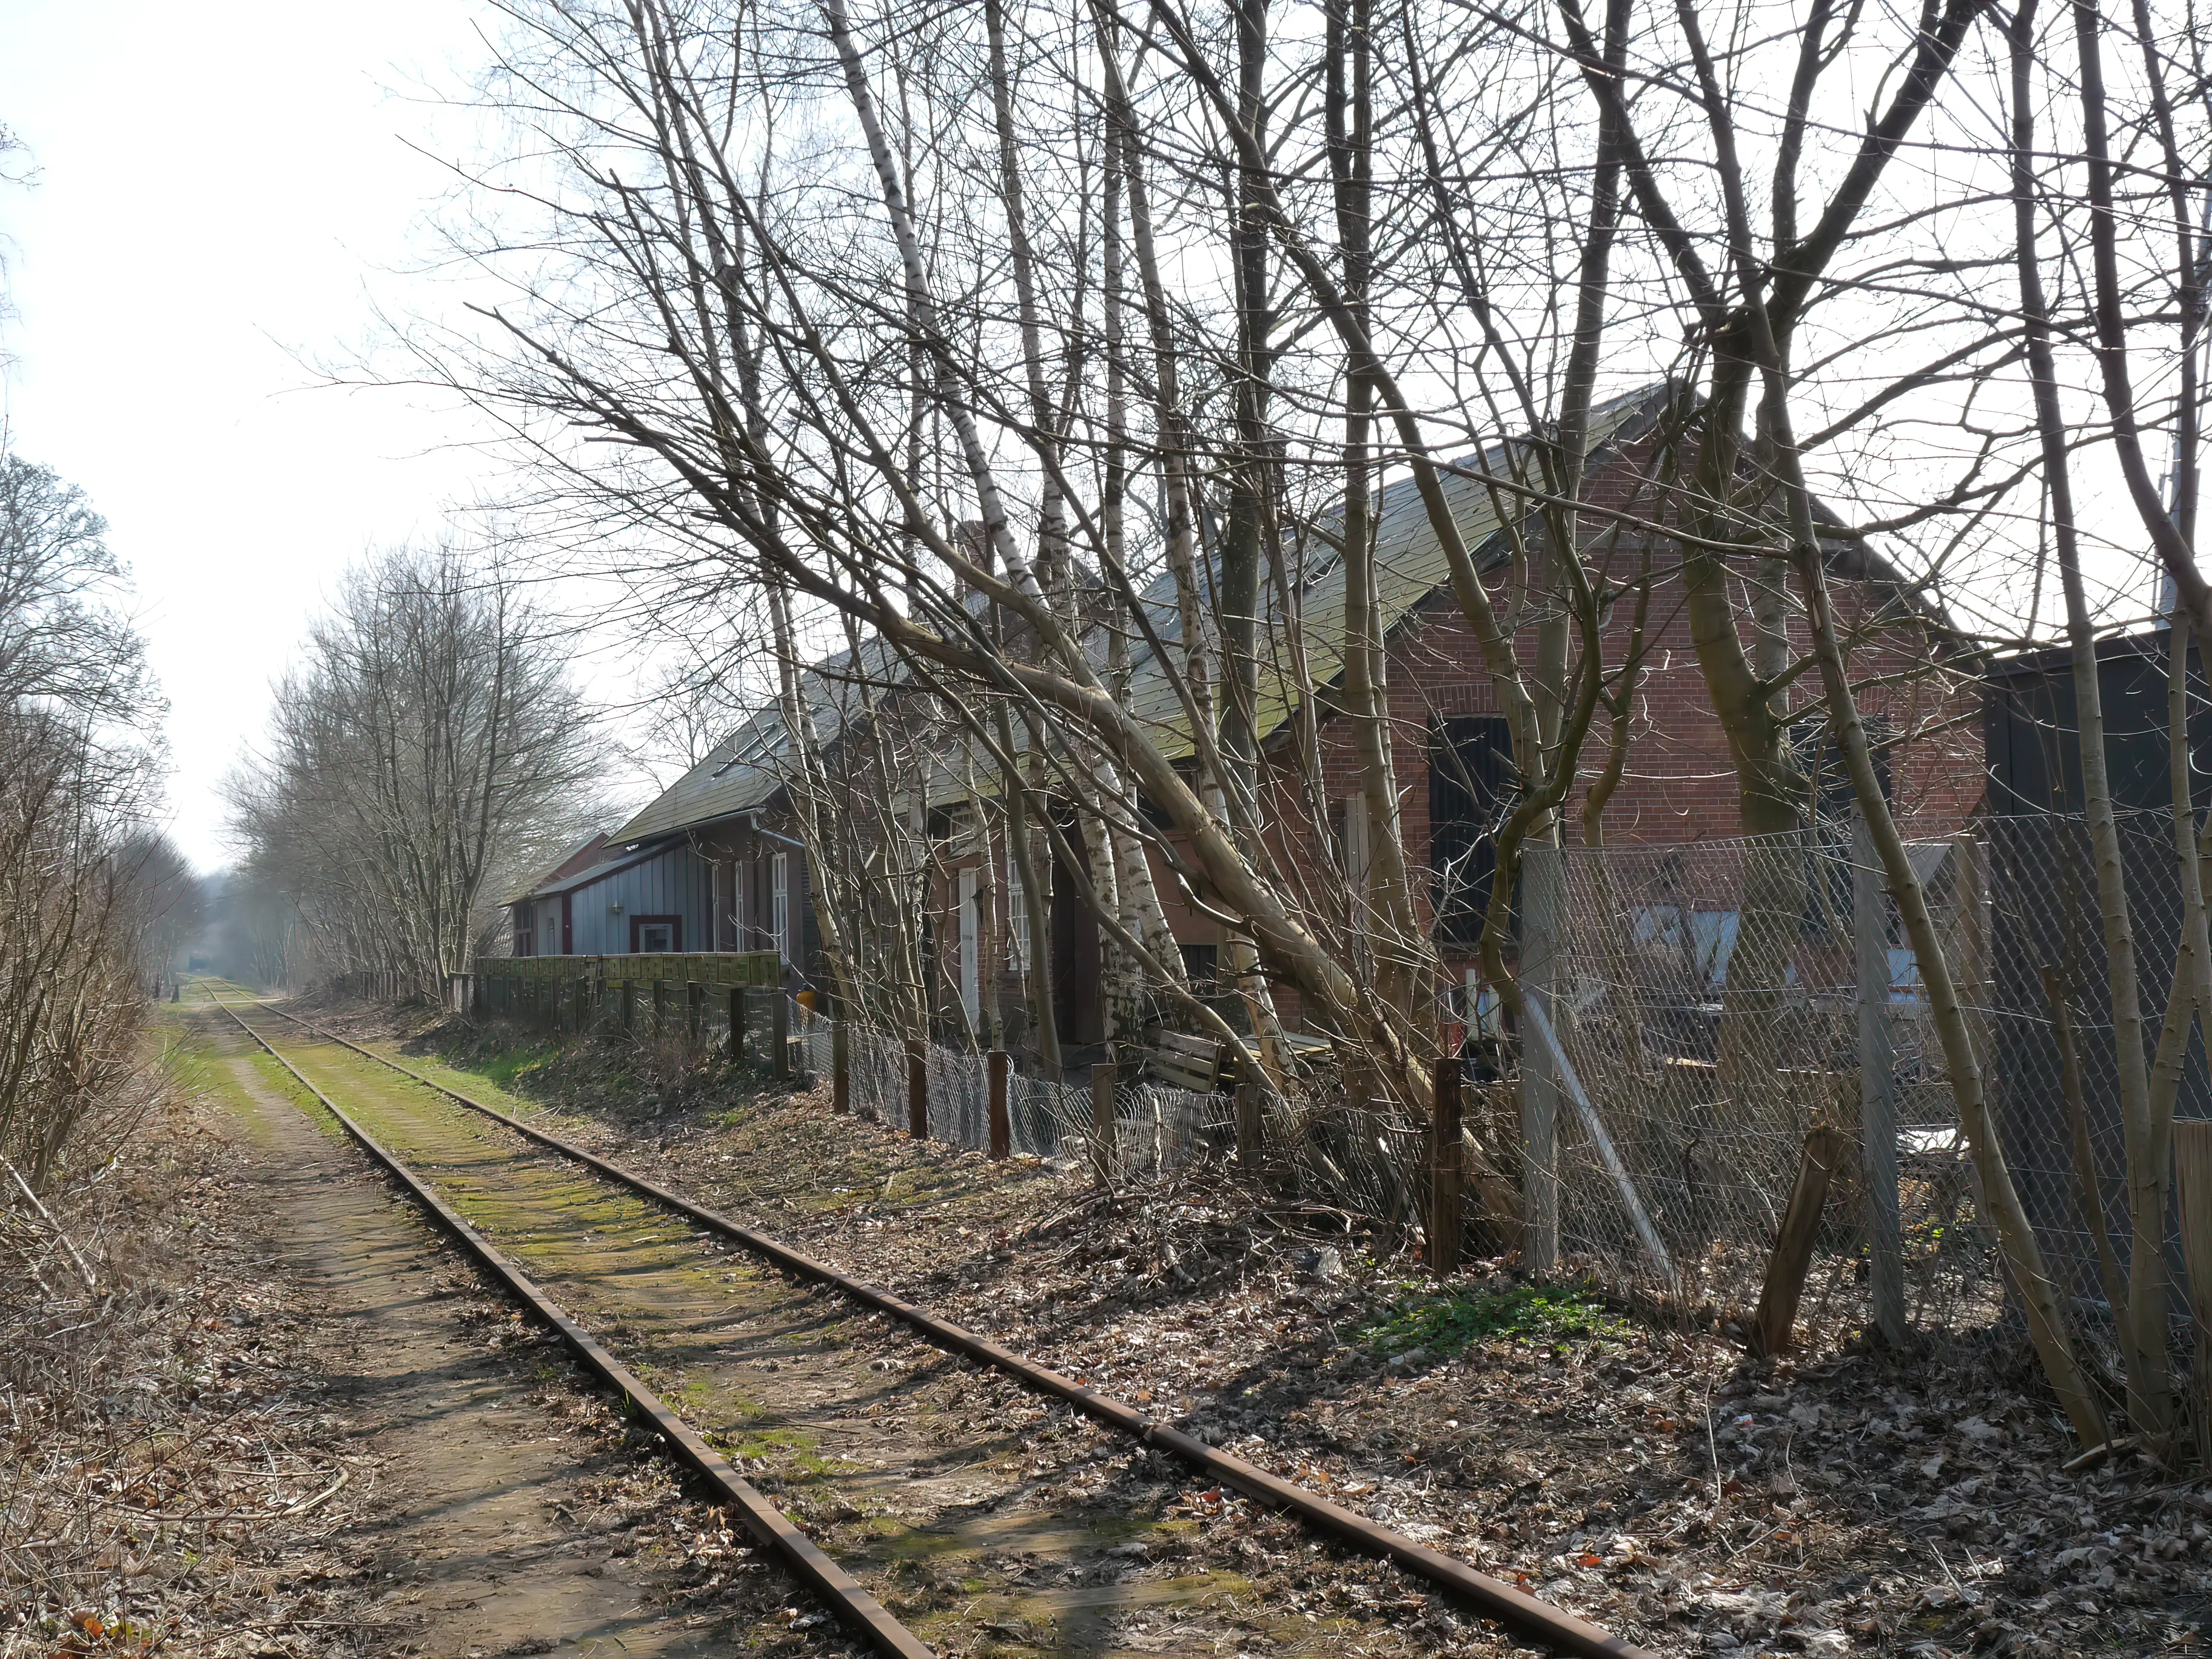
[{"x": 2043, "y": 895}]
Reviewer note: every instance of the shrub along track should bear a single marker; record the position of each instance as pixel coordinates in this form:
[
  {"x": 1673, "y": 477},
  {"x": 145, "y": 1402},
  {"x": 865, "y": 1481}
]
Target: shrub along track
[{"x": 920, "y": 1480}]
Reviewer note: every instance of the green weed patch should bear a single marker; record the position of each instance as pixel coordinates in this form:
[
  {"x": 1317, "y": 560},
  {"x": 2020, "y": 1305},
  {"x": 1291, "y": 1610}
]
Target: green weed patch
[{"x": 1444, "y": 1323}]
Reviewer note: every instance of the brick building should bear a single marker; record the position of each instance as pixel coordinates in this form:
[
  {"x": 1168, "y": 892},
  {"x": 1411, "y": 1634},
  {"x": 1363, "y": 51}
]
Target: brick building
[
  {"x": 1450, "y": 752},
  {"x": 732, "y": 814}
]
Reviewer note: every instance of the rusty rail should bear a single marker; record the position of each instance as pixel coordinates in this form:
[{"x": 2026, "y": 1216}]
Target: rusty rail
[
  {"x": 1555, "y": 1625},
  {"x": 768, "y": 1525}
]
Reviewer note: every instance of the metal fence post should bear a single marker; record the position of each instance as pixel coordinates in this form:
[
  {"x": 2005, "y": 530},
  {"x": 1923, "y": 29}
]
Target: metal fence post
[
  {"x": 1542, "y": 912},
  {"x": 780, "y": 1033},
  {"x": 1877, "y": 1084},
  {"x": 917, "y": 1088},
  {"x": 1002, "y": 1132},
  {"x": 1444, "y": 1168},
  {"x": 841, "y": 1066},
  {"x": 1102, "y": 1121}
]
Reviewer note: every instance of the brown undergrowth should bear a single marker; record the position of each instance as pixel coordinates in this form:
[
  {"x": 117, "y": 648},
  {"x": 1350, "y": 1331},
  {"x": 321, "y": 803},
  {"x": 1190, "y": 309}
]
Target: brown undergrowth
[
  {"x": 1651, "y": 1478},
  {"x": 163, "y": 1486},
  {"x": 178, "y": 1474}
]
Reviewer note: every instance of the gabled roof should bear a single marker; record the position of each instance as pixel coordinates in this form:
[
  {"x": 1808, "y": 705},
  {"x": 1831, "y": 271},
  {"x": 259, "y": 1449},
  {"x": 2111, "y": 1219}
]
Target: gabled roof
[
  {"x": 576, "y": 858},
  {"x": 569, "y": 879},
  {"x": 1410, "y": 565},
  {"x": 745, "y": 770}
]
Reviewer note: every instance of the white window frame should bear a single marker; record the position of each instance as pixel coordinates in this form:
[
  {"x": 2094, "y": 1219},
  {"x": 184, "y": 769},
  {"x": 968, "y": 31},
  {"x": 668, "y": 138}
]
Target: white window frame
[
  {"x": 971, "y": 988},
  {"x": 779, "y": 878},
  {"x": 1357, "y": 863}
]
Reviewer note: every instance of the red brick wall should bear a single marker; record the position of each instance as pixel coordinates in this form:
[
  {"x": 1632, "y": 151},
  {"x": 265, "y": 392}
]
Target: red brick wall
[{"x": 1679, "y": 784}]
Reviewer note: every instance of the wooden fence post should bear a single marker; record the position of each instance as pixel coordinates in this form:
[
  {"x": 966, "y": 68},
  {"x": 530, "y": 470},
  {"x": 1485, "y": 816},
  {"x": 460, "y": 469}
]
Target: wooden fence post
[
  {"x": 1444, "y": 1168},
  {"x": 660, "y": 1005},
  {"x": 1793, "y": 1245},
  {"x": 1877, "y": 1087},
  {"x": 917, "y": 1088},
  {"x": 1103, "y": 1131},
  {"x": 1002, "y": 1133},
  {"x": 778, "y": 1007},
  {"x": 630, "y": 1007},
  {"x": 694, "y": 1008},
  {"x": 841, "y": 1066},
  {"x": 1249, "y": 1099}
]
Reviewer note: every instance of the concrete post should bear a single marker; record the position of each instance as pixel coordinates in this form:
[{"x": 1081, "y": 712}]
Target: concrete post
[
  {"x": 1542, "y": 913},
  {"x": 1877, "y": 1084}
]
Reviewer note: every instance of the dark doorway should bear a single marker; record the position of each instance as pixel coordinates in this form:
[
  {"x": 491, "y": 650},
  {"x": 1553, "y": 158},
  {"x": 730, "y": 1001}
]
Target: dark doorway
[
  {"x": 1076, "y": 992},
  {"x": 1470, "y": 787}
]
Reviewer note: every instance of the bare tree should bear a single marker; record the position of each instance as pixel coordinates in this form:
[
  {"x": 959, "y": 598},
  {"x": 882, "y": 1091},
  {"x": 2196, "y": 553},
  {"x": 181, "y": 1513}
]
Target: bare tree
[
  {"x": 80, "y": 875},
  {"x": 430, "y": 749}
]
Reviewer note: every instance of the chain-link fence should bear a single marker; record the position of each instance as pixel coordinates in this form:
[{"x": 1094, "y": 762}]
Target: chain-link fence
[
  {"x": 1157, "y": 1130},
  {"x": 1711, "y": 1004},
  {"x": 1714, "y": 1001}
]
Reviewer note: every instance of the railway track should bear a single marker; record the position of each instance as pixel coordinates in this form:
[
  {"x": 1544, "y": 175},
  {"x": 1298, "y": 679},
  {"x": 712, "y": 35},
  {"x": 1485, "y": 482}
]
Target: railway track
[{"x": 670, "y": 1323}]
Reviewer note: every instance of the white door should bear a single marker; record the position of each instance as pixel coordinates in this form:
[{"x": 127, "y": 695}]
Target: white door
[{"x": 971, "y": 991}]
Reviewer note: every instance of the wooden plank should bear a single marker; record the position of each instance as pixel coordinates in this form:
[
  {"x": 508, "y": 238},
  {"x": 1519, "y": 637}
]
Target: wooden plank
[
  {"x": 1793, "y": 1246},
  {"x": 1178, "y": 1072}
]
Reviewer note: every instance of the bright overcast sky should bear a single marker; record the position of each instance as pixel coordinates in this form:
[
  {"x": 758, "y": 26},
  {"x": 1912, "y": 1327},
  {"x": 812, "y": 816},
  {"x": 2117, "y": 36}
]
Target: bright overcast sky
[{"x": 221, "y": 190}]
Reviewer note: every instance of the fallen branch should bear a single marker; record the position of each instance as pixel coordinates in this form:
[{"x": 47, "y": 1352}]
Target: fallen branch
[
  {"x": 2098, "y": 1454},
  {"x": 48, "y": 1217}
]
